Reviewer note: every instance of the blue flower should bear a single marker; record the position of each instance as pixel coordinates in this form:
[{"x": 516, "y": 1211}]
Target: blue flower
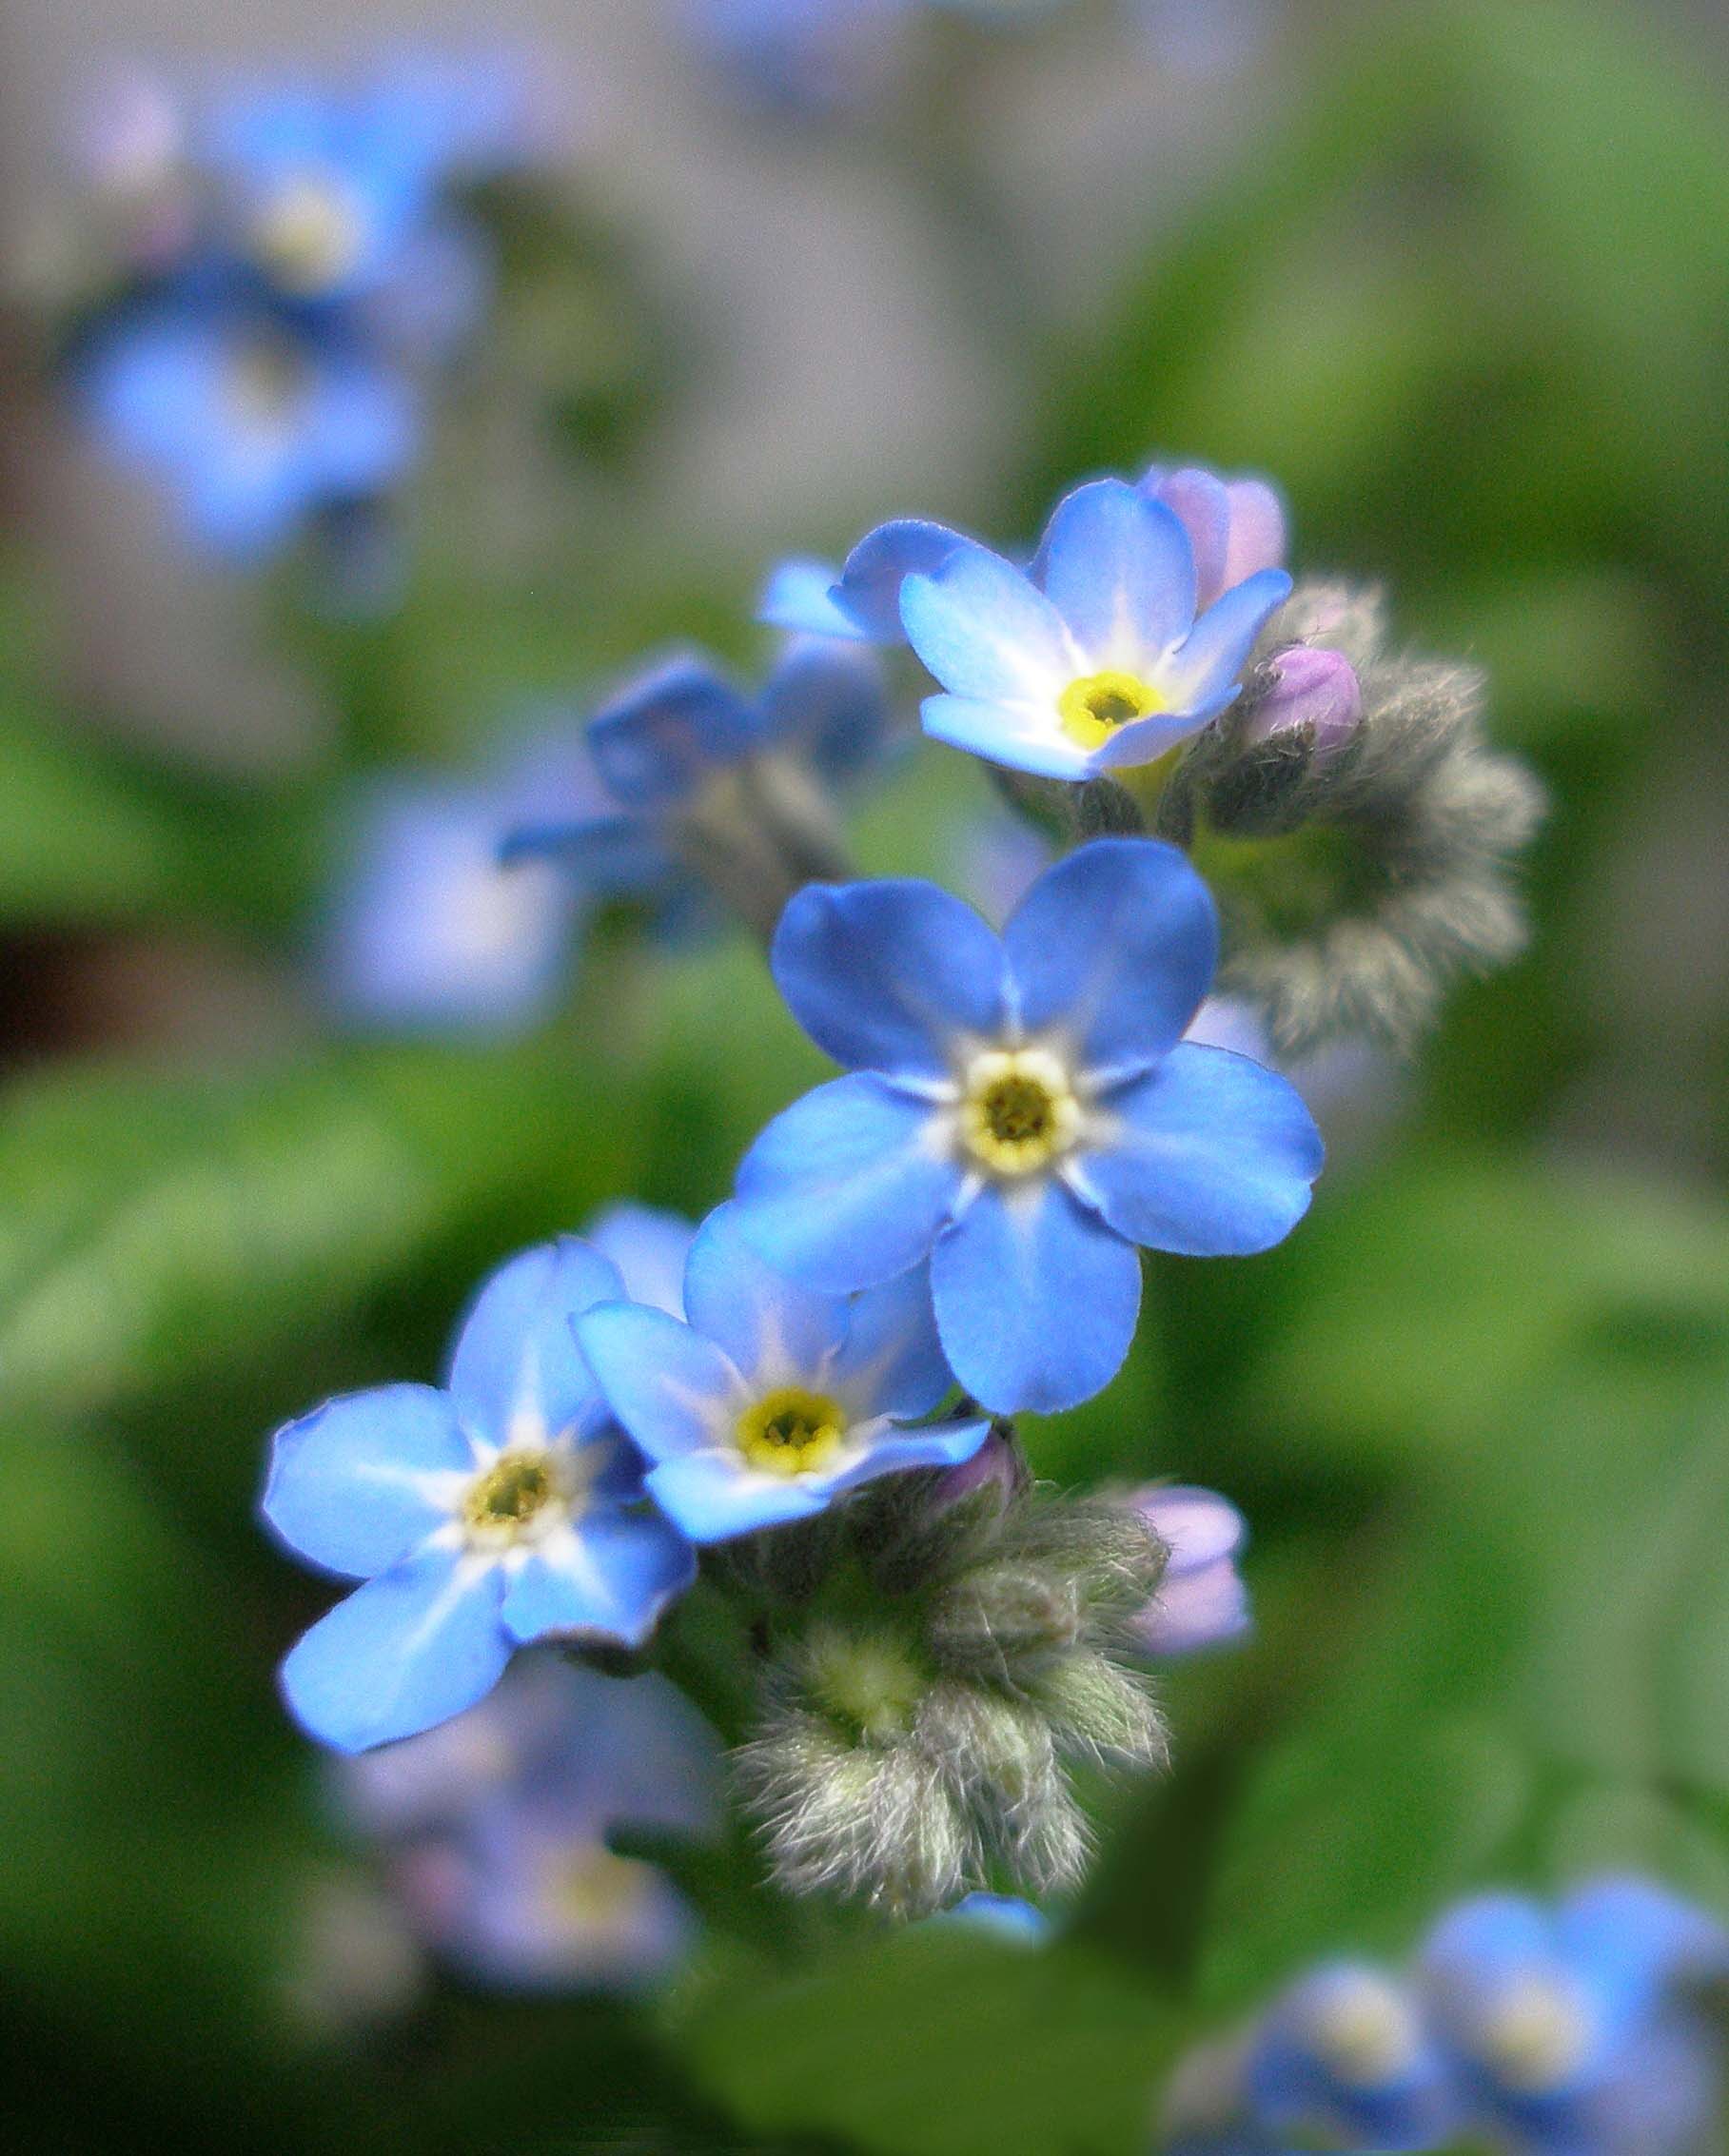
[
  {"x": 1574, "y": 2032},
  {"x": 1005, "y": 1915},
  {"x": 1022, "y": 1111},
  {"x": 773, "y": 1399},
  {"x": 429, "y": 929},
  {"x": 254, "y": 425},
  {"x": 663, "y": 742},
  {"x": 504, "y": 1508},
  {"x": 1345, "y": 2052},
  {"x": 494, "y": 1826}
]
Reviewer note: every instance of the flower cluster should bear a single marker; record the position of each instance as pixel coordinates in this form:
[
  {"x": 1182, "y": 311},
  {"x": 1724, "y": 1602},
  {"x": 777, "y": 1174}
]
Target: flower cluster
[
  {"x": 1582, "y": 2029},
  {"x": 806, "y": 1403},
  {"x": 290, "y": 264}
]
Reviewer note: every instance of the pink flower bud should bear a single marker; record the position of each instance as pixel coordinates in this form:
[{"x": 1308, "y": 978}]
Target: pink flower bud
[
  {"x": 1201, "y": 1601},
  {"x": 1310, "y": 688},
  {"x": 995, "y": 1468}
]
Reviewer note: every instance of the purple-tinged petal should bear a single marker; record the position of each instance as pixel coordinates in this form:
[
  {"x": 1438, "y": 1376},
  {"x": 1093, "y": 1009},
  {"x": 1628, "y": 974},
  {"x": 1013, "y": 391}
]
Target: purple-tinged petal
[
  {"x": 1257, "y": 531},
  {"x": 364, "y": 1479},
  {"x": 1201, "y": 501},
  {"x": 849, "y": 1185},
  {"x": 673, "y": 1390},
  {"x": 887, "y": 975},
  {"x": 516, "y": 1373},
  {"x": 1037, "y": 1299},
  {"x": 1209, "y": 1155},
  {"x": 612, "y": 1575},
  {"x": 986, "y": 631},
  {"x": 1119, "y": 570},
  {"x": 1114, "y": 949}
]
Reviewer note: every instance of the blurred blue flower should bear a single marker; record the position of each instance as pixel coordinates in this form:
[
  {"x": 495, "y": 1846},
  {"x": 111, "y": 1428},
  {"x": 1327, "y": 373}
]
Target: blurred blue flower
[
  {"x": 1345, "y": 2052},
  {"x": 801, "y": 56},
  {"x": 1201, "y": 1601},
  {"x": 254, "y": 423},
  {"x": 496, "y": 1824},
  {"x": 1005, "y": 1916},
  {"x": 1022, "y": 1111},
  {"x": 503, "y": 1509},
  {"x": 1575, "y": 2032},
  {"x": 771, "y": 1398}
]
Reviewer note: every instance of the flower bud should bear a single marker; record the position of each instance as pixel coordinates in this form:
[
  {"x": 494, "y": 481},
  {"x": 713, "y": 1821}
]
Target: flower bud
[
  {"x": 1201, "y": 1601},
  {"x": 1314, "y": 688},
  {"x": 1005, "y": 1619}
]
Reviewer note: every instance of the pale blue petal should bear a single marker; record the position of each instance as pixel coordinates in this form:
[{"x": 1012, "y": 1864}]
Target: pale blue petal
[
  {"x": 1631, "y": 1940},
  {"x": 1484, "y": 1942},
  {"x": 830, "y": 702},
  {"x": 407, "y": 1650},
  {"x": 847, "y": 1187},
  {"x": 940, "y": 1445},
  {"x": 657, "y": 739},
  {"x": 515, "y": 1370},
  {"x": 1113, "y": 948},
  {"x": 1120, "y": 572},
  {"x": 649, "y": 1248},
  {"x": 773, "y": 1328},
  {"x": 892, "y": 1362},
  {"x": 869, "y": 587},
  {"x": 1037, "y": 1299},
  {"x": 671, "y": 1388},
  {"x": 1210, "y": 660},
  {"x": 1144, "y": 741},
  {"x": 799, "y": 595},
  {"x": 360, "y": 1481},
  {"x": 986, "y": 630},
  {"x": 612, "y": 1575},
  {"x": 1209, "y": 1155},
  {"x": 1024, "y": 737},
  {"x": 712, "y": 1496}
]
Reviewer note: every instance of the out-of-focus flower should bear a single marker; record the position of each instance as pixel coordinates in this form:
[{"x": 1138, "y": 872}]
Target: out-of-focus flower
[
  {"x": 1201, "y": 1600},
  {"x": 494, "y": 1826},
  {"x": 1573, "y": 2032},
  {"x": 252, "y": 422},
  {"x": 1005, "y": 1917},
  {"x": 1345, "y": 2052},
  {"x": 1021, "y": 1111},
  {"x": 772, "y": 1400},
  {"x": 503, "y": 1509},
  {"x": 130, "y": 152},
  {"x": 801, "y": 56}
]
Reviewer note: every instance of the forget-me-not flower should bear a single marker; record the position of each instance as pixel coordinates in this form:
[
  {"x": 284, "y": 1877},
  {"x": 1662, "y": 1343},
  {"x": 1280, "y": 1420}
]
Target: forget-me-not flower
[
  {"x": 771, "y": 1398},
  {"x": 504, "y": 1508},
  {"x": 1574, "y": 2031},
  {"x": 1021, "y": 1111},
  {"x": 1345, "y": 2052}
]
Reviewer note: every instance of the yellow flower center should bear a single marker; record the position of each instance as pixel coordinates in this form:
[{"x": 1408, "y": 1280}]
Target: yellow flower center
[
  {"x": 513, "y": 1496},
  {"x": 1366, "y": 2031},
  {"x": 1092, "y": 708},
  {"x": 1018, "y": 1111},
  {"x": 308, "y": 234},
  {"x": 792, "y": 1431},
  {"x": 1536, "y": 2036},
  {"x": 595, "y": 1890}
]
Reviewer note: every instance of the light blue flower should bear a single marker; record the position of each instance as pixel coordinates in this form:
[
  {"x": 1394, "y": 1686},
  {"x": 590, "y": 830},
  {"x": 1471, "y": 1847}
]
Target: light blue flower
[
  {"x": 503, "y": 1509},
  {"x": 771, "y": 1398},
  {"x": 1201, "y": 1601},
  {"x": 1575, "y": 2032},
  {"x": 494, "y": 1826},
  {"x": 1007, "y": 1916},
  {"x": 1345, "y": 2052},
  {"x": 252, "y": 424},
  {"x": 1022, "y": 1111}
]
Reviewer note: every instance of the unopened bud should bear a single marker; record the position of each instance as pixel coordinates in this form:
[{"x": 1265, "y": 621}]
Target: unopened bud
[
  {"x": 1311, "y": 689},
  {"x": 916, "y": 1528},
  {"x": 1005, "y": 1618},
  {"x": 997, "y": 1473},
  {"x": 1201, "y": 1601}
]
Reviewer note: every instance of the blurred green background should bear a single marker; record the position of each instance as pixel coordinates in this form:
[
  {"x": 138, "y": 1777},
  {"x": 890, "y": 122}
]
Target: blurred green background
[{"x": 1462, "y": 285}]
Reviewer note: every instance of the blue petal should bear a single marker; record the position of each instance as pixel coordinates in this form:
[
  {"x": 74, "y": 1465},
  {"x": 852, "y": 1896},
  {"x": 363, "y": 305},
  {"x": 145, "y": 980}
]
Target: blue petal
[
  {"x": 356, "y": 1483},
  {"x": 649, "y": 1248},
  {"x": 845, "y": 1187},
  {"x": 940, "y": 1445},
  {"x": 1144, "y": 740},
  {"x": 673, "y": 1390},
  {"x": 1120, "y": 572},
  {"x": 869, "y": 587},
  {"x": 1211, "y": 659},
  {"x": 410, "y": 1648},
  {"x": 1115, "y": 948},
  {"x": 516, "y": 1371},
  {"x": 886, "y": 976},
  {"x": 1021, "y": 736},
  {"x": 1482, "y": 1942},
  {"x": 1211, "y": 1156},
  {"x": 713, "y": 1496},
  {"x": 612, "y": 1575},
  {"x": 986, "y": 631},
  {"x": 1037, "y": 1299},
  {"x": 799, "y": 595},
  {"x": 773, "y": 1329},
  {"x": 892, "y": 1362},
  {"x": 828, "y": 700},
  {"x": 1633, "y": 1940},
  {"x": 655, "y": 741}
]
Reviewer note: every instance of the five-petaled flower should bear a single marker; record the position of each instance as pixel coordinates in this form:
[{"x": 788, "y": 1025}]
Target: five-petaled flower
[
  {"x": 504, "y": 1508},
  {"x": 775, "y": 1398},
  {"x": 1021, "y": 1112}
]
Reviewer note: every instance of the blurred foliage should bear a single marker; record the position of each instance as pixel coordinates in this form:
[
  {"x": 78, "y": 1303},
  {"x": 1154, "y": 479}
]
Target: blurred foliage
[{"x": 1469, "y": 307}]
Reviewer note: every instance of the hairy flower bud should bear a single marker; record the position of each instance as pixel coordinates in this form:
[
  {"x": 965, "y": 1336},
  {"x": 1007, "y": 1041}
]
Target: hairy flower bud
[
  {"x": 1308, "y": 691},
  {"x": 915, "y": 1528},
  {"x": 1005, "y": 1619},
  {"x": 1096, "y": 1707}
]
